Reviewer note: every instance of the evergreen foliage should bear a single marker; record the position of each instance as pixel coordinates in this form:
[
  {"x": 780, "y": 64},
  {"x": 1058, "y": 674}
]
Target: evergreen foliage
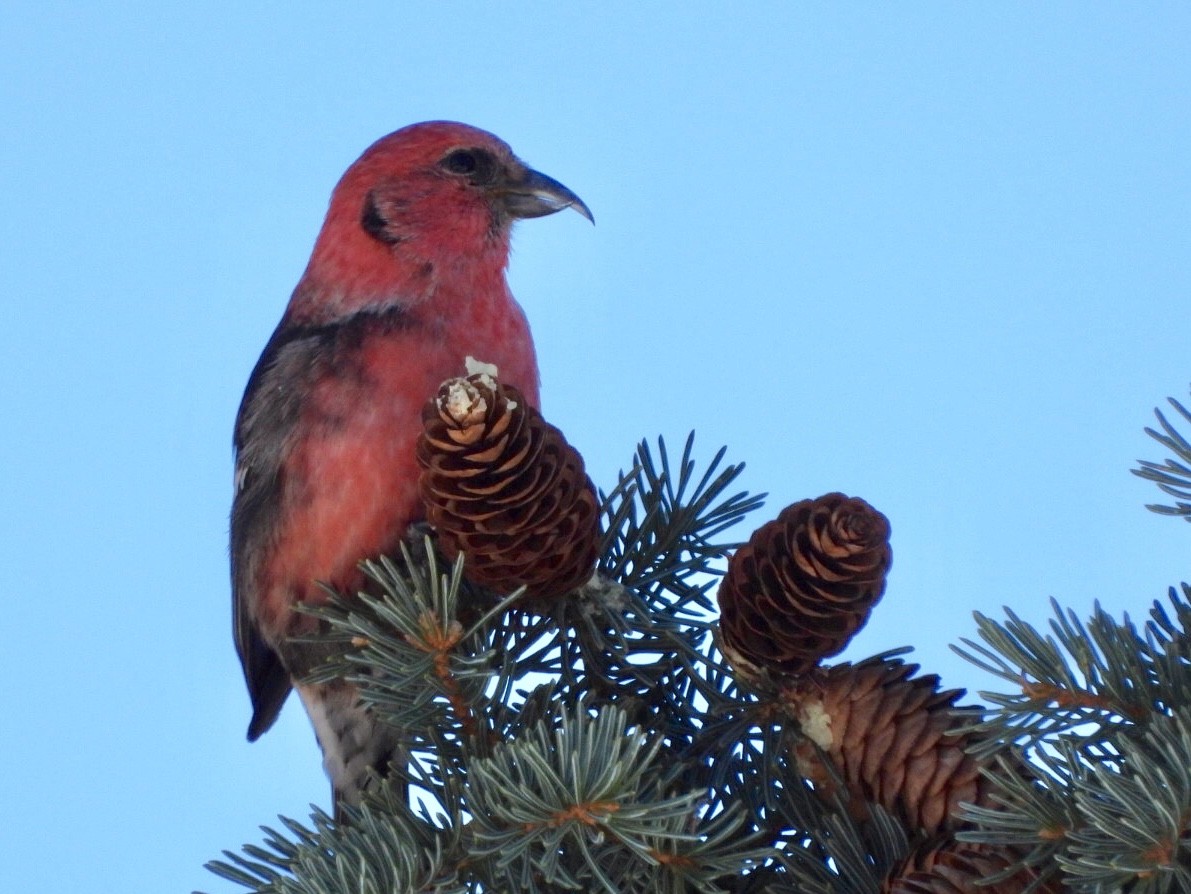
[
  {"x": 599, "y": 743},
  {"x": 1173, "y": 476}
]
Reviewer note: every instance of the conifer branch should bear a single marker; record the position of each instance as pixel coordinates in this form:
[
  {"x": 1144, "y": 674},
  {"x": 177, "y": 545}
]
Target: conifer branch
[
  {"x": 599, "y": 741},
  {"x": 1173, "y": 476}
]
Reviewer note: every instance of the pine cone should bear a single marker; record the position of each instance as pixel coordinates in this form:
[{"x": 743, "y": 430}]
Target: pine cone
[
  {"x": 957, "y": 867},
  {"x": 803, "y": 585},
  {"x": 885, "y": 732},
  {"x": 502, "y": 486}
]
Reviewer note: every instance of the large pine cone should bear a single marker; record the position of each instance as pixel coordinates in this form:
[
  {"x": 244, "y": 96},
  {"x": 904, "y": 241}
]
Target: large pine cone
[
  {"x": 886, "y": 732},
  {"x": 957, "y": 867},
  {"x": 803, "y": 585},
  {"x": 503, "y": 486}
]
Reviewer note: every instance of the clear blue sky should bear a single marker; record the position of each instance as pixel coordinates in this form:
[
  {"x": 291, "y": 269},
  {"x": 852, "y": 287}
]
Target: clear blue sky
[{"x": 938, "y": 256}]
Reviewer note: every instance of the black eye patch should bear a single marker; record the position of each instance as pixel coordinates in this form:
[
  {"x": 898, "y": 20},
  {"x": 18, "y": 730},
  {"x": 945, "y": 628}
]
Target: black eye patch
[{"x": 374, "y": 222}]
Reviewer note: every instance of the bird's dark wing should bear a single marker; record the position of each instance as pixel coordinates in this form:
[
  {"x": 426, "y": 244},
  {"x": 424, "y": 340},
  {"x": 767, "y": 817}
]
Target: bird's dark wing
[
  {"x": 292, "y": 361},
  {"x": 264, "y": 426}
]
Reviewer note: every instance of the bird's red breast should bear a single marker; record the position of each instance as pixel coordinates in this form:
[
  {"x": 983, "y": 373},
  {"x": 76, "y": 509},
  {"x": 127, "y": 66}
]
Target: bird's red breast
[{"x": 351, "y": 475}]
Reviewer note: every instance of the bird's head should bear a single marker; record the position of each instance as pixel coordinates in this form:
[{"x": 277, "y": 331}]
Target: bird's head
[{"x": 431, "y": 200}]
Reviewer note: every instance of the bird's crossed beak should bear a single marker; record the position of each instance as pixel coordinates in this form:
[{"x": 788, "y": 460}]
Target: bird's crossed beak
[{"x": 528, "y": 193}]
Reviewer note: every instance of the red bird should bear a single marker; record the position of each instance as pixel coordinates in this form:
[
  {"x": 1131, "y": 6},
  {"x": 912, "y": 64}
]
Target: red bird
[{"x": 406, "y": 280}]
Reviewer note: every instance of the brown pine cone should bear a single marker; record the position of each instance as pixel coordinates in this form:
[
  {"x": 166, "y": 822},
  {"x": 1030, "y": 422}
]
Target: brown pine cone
[
  {"x": 885, "y": 732},
  {"x": 503, "y": 486},
  {"x": 957, "y": 867},
  {"x": 803, "y": 585}
]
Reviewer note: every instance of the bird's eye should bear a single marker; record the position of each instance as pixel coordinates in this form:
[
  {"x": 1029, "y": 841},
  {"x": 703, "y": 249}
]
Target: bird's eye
[
  {"x": 461, "y": 161},
  {"x": 478, "y": 166}
]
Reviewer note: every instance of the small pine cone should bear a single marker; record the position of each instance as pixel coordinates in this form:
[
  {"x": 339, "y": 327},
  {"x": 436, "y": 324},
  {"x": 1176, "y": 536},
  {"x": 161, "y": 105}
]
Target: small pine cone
[
  {"x": 803, "y": 585},
  {"x": 885, "y": 731},
  {"x": 957, "y": 867},
  {"x": 503, "y": 486}
]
